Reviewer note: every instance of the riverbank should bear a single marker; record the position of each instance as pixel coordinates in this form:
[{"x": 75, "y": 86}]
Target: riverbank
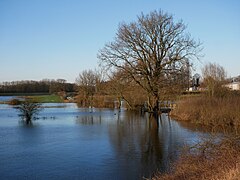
[
  {"x": 214, "y": 158},
  {"x": 215, "y": 112},
  {"x": 46, "y": 98},
  {"x": 208, "y": 160}
]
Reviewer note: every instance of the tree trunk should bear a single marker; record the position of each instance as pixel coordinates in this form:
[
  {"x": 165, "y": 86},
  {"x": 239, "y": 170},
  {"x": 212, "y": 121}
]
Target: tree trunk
[
  {"x": 28, "y": 119},
  {"x": 156, "y": 105},
  {"x": 153, "y": 104},
  {"x": 129, "y": 105},
  {"x": 119, "y": 102},
  {"x": 150, "y": 107}
]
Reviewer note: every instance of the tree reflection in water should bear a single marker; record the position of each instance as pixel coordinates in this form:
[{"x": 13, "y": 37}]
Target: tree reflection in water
[
  {"x": 89, "y": 120},
  {"x": 140, "y": 143},
  {"x": 152, "y": 146}
]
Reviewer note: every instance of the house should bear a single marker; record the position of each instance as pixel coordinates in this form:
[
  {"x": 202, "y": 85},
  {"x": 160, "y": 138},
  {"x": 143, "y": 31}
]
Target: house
[{"x": 233, "y": 85}]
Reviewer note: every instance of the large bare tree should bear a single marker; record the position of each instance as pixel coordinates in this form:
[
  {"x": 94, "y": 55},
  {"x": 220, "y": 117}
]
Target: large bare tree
[{"x": 149, "y": 51}]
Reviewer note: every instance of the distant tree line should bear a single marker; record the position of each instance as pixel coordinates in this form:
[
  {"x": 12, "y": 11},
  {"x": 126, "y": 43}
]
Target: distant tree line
[{"x": 43, "y": 86}]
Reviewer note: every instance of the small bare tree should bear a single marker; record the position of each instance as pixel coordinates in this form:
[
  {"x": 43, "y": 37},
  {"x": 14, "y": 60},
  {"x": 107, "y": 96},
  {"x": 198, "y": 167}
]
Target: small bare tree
[
  {"x": 149, "y": 51},
  {"x": 213, "y": 77},
  {"x": 88, "y": 82},
  {"x": 29, "y": 110}
]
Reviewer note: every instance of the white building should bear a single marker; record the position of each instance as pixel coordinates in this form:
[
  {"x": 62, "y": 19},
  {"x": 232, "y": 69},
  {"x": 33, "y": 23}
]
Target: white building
[{"x": 233, "y": 86}]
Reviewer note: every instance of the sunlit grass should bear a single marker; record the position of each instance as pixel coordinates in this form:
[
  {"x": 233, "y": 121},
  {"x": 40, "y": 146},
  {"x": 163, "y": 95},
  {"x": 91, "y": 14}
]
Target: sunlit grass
[{"x": 46, "y": 99}]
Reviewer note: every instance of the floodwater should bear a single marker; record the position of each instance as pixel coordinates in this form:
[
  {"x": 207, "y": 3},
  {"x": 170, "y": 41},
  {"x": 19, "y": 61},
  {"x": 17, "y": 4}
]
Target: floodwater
[{"x": 67, "y": 142}]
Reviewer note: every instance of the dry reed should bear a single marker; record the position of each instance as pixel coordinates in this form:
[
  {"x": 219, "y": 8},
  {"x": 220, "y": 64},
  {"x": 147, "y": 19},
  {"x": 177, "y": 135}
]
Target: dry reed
[
  {"x": 212, "y": 159},
  {"x": 223, "y": 113},
  {"x": 209, "y": 160}
]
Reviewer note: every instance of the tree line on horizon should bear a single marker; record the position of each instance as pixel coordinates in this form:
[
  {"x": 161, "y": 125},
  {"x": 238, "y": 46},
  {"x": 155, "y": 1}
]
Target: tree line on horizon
[{"x": 29, "y": 86}]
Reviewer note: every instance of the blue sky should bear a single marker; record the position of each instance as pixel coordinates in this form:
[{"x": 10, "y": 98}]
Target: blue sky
[{"x": 60, "y": 38}]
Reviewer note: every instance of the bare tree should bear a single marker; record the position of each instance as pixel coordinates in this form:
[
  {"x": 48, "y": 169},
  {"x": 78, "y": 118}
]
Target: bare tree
[
  {"x": 117, "y": 86},
  {"x": 149, "y": 50},
  {"x": 87, "y": 82},
  {"x": 213, "y": 77},
  {"x": 28, "y": 110}
]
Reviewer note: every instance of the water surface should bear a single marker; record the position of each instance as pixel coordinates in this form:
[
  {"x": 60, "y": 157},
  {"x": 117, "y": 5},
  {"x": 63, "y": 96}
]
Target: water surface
[{"x": 71, "y": 143}]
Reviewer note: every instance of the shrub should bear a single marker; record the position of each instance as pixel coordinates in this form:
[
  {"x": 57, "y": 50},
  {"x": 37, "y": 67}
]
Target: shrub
[
  {"x": 28, "y": 110},
  {"x": 14, "y": 102}
]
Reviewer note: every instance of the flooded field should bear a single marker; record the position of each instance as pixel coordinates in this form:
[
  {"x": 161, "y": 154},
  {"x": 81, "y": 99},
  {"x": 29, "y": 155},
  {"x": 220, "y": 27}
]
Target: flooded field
[{"x": 67, "y": 142}]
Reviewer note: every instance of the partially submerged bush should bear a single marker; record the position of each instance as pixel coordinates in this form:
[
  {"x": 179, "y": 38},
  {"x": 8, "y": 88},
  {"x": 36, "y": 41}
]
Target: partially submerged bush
[
  {"x": 29, "y": 110},
  {"x": 14, "y": 102}
]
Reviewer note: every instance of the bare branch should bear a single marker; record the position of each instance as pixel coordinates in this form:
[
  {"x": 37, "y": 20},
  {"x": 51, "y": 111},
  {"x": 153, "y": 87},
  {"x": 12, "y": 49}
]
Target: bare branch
[{"x": 145, "y": 49}]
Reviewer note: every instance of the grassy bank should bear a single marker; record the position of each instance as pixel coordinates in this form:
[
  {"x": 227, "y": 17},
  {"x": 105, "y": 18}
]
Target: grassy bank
[{"x": 46, "y": 98}]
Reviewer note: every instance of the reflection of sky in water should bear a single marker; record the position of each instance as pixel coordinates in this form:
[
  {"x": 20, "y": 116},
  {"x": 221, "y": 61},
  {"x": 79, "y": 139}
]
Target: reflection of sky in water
[{"x": 71, "y": 143}]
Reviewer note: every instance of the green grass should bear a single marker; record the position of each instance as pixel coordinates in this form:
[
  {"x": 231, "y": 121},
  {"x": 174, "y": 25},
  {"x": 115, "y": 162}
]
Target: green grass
[{"x": 46, "y": 99}]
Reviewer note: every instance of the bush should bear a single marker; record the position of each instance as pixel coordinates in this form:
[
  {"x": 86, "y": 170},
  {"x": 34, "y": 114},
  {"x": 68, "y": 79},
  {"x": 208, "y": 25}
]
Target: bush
[
  {"x": 28, "y": 110},
  {"x": 14, "y": 102}
]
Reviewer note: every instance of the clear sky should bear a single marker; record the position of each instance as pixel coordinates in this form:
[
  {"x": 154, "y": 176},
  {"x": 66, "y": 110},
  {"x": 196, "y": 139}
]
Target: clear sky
[{"x": 60, "y": 38}]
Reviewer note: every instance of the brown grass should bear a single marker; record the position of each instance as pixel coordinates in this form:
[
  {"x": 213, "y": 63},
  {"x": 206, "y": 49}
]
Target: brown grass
[
  {"x": 216, "y": 112},
  {"x": 98, "y": 101},
  {"x": 213, "y": 158},
  {"x": 208, "y": 160}
]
